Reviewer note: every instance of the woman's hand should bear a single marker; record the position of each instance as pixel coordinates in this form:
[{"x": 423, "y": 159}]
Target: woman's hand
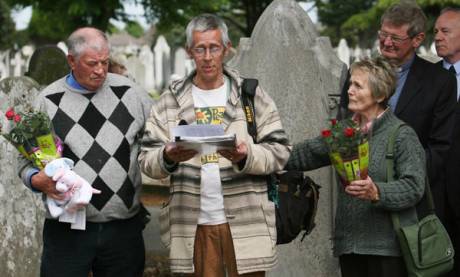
[{"x": 363, "y": 189}]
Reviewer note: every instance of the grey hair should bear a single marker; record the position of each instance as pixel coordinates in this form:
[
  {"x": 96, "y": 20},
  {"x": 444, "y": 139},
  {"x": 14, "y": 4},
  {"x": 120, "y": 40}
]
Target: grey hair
[
  {"x": 85, "y": 38},
  {"x": 406, "y": 13},
  {"x": 381, "y": 77},
  {"x": 205, "y": 22},
  {"x": 450, "y": 9}
]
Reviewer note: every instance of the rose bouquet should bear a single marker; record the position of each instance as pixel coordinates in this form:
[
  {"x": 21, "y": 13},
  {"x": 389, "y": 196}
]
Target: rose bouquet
[
  {"x": 31, "y": 132},
  {"x": 348, "y": 149}
]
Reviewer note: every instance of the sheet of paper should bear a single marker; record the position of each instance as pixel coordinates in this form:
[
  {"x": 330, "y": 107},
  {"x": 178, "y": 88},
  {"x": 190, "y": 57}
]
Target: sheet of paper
[{"x": 205, "y": 139}]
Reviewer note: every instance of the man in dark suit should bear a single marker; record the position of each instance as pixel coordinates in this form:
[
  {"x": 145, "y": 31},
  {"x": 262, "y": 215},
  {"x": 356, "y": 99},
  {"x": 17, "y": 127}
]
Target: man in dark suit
[
  {"x": 425, "y": 94},
  {"x": 447, "y": 41}
]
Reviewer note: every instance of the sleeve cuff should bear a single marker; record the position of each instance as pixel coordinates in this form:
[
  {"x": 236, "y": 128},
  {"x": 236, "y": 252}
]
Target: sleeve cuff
[{"x": 30, "y": 173}]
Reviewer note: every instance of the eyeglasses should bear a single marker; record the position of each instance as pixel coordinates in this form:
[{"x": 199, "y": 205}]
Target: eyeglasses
[
  {"x": 394, "y": 39},
  {"x": 214, "y": 51}
]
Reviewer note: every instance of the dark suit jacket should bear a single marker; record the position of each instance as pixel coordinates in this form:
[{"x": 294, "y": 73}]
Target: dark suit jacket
[
  {"x": 453, "y": 165},
  {"x": 427, "y": 104}
]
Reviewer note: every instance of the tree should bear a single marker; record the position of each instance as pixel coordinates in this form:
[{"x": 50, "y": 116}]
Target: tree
[
  {"x": 134, "y": 28},
  {"x": 53, "y": 21},
  {"x": 6, "y": 26},
  {"x": 173, "y": 15}
]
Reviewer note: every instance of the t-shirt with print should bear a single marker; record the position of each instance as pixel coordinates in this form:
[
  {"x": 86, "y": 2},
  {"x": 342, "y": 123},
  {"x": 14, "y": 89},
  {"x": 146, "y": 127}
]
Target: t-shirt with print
[{"x": 209, "y": 109}]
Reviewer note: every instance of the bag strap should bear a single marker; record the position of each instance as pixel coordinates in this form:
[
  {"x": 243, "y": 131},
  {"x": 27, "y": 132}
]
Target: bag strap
[
  {"x": 390, "y": 176},
  {"x": 248, "y": 91}
]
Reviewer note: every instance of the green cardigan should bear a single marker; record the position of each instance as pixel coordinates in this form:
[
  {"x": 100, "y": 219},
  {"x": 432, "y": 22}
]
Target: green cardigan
[{"x": 365, "y": 227}]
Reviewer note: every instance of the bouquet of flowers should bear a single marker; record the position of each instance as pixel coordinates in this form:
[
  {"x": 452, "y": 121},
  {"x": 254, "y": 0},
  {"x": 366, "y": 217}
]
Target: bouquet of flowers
[
  {"x": 348, "y": 149},
  {"x": 31, "y": 132}
]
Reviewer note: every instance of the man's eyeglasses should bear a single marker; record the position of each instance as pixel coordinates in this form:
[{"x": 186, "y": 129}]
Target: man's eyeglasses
[
  {"x": 214, "y": 51},
  {"x": 394, "y": 39}
]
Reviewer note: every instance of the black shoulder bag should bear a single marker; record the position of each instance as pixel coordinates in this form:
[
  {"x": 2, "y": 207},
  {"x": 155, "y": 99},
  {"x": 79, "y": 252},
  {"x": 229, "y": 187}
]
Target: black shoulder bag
[{"x": 294, "y": 194}]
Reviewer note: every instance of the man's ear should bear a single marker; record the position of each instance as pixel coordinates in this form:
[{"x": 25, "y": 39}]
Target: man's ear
[
  {"x": 418, "y": 39},
  {"x": 227, "y": 48},
  {"x": 189, "y": 52},
  {"x": 72, "y": 61}
]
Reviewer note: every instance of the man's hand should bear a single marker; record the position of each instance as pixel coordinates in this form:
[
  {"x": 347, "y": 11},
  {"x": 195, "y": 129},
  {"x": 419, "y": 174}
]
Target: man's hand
[
  {"x": 45, "y": 184},
  {"x": 176, "y": 154},
  {"x": 237, "y": 154}
]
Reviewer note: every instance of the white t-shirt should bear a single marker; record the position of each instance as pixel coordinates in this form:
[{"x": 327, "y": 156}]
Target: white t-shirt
[{"x": 209, "y": 109}]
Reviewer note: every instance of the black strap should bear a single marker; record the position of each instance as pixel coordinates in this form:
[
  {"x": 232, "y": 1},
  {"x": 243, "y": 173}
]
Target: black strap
[{"x": 248, "y": 91}]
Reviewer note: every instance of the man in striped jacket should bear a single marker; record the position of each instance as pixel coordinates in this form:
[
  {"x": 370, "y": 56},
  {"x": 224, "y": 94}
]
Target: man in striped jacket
[{"x": 219, "y": 219}]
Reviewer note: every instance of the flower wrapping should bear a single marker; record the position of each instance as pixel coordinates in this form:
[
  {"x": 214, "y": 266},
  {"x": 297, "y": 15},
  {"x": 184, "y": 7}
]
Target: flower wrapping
[
  {"x": 31, "y": 132},
  {"x": 348, "y": 149}
]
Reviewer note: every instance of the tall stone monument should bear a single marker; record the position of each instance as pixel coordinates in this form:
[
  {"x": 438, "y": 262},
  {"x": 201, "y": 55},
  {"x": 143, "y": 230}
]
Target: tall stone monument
[
  {"x": 21, "y": 211},
  {"x": 300, "y": 71}
]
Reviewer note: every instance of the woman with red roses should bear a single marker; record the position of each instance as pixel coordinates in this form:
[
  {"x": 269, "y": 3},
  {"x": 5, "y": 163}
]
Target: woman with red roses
[{"x": 364, "y": 238}]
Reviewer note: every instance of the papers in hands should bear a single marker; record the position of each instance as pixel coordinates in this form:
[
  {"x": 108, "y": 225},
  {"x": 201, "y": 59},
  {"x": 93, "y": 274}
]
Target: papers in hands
[{"x": 205, "y": 139}]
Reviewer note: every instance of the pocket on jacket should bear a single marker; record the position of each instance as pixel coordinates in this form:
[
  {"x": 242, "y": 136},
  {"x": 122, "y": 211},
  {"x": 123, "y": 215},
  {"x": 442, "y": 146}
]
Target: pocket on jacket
[
  {"x": 270, "y": 221},
  {"x": 165, "y": 228}
]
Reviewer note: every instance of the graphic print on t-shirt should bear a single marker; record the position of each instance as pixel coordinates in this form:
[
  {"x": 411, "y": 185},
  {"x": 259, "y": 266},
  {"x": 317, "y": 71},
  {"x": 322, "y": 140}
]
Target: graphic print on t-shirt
[{"x": 209, "y": 115}]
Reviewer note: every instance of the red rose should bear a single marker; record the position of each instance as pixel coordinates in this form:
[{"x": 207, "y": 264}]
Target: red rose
[
  {"x": 17, "y": 118},
  {"x": 348, "y": 132},
  {"x": 333, "y": 121},
  {"x": 10, "y": 113},
  {"x": 326, "y": 133}
]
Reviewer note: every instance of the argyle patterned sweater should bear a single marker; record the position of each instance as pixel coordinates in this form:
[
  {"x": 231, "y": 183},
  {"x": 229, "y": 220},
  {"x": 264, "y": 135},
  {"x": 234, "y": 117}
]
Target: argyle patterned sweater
[{"x": 100, "y": 131}]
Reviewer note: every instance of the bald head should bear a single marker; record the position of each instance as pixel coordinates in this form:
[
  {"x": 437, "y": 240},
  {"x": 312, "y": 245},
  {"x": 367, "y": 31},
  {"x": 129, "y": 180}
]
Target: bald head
[{"x": 86, "y": 38}]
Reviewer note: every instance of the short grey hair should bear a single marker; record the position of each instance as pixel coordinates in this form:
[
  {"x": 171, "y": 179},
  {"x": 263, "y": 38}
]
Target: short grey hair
[
  {"x": 450, "y": 9},
  {"x": 206, "y": 22},
  {"x": 406, "y": 13},
  {"x": 381, "y": 77},
  {"x": 85, "y": 38}
]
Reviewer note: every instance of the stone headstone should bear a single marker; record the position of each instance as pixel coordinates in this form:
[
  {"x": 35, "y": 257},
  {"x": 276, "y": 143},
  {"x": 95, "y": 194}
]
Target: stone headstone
[
  {"x": 47, "y": 64},
  {"x": 4, "y": 64},
  {"x": 343, "y": 52},
  {"x": 61, "y": 45},
  {"x": 299, "y": 70},
  {"x": 180, "y": 56},
  {"x": 146, "y": 56},
  {"x": 137, "y": 69},
  {"x": 18, "y": 64},
  {"x": 162, "y": 62},
  {"x": 21, "y": 211}
]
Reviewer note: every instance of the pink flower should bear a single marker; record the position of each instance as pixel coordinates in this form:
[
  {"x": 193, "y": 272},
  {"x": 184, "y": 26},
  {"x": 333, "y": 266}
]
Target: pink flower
[{"x": 10, "y": 113}]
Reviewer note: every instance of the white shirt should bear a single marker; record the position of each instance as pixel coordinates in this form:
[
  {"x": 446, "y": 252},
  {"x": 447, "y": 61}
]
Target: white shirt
[{"x": 209, "y": 109}]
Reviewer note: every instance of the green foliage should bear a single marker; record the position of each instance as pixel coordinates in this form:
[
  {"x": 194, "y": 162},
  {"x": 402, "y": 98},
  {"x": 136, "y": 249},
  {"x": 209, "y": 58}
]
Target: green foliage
[
  {"x": 134, "y": 28},
  {"x": 6, "y": 26},
  {"x": 53, "y": 21}
]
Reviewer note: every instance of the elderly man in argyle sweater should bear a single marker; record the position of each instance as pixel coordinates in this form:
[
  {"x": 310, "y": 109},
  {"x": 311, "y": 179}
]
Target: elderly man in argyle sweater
[{"x": 100, "y": 117}]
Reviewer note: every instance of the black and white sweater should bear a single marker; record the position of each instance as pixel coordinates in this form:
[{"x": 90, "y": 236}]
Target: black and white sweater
[{"x": 101, "y": 131}]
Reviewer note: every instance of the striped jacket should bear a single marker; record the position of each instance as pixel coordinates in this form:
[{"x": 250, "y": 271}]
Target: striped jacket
[{"x": 249, "y": 212}]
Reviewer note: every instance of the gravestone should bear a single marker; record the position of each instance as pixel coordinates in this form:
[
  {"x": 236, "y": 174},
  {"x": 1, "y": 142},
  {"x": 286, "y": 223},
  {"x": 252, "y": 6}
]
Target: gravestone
[
  {"x": 343, "y": 52},
  {"x": 180, "y": 56},
  {"x": 18, "y": 64},
  {"x": 47, "y": 64},
  {"x": 300, "y": 71},
  {"x": 146, "y": 56},
  {"x": 21, "y": 211},
  {"x": 63, "y": 47},
  {"x": 4, "y": 64},
  {"x": 136, "y": 69},
  {"x": 162, "y": 62}
]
